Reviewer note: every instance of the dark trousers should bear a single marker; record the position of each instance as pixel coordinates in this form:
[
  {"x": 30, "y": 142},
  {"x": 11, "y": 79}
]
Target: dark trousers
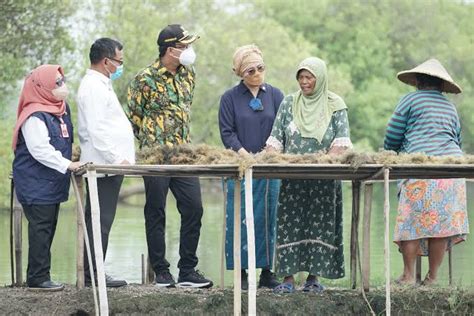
[
  {"x": 42, "y": 220},
  {"x": 108, "y": 189},
  {"x": 187, "y": 193}
]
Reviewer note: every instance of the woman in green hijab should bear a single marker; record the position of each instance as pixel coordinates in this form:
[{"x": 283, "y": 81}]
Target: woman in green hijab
[{"x": 309, "y": 223}]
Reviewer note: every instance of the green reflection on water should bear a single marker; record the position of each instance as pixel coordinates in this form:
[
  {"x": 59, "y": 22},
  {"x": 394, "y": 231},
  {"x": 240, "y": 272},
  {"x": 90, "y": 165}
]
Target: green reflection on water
[{"x": 128, "y": 242}]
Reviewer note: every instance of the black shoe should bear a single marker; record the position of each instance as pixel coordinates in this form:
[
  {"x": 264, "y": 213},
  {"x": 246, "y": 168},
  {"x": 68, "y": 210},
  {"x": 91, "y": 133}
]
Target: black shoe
[
  {"x": 109, "y": 282},
  {"x": 164, "y": 279},
  {"x": 244, "y": 282},
  {"x": 194, "y": 279},
  {"x": 268, "y": 279},
  {"x": 47, "y": 286}
]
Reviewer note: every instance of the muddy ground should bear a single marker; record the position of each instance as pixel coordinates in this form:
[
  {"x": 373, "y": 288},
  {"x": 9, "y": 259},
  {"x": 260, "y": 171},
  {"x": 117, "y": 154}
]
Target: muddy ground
[{"x": 142, "y": 300}]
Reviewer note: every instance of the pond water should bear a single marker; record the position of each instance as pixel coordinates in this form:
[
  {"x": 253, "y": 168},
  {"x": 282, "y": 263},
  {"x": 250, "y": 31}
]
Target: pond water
[{"x": 127, "y": 241}]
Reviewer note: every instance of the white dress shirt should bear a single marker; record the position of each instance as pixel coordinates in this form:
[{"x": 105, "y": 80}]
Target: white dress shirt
[
  {"x": 37, "y": 139},
  {"x": 105, "y": 134}
]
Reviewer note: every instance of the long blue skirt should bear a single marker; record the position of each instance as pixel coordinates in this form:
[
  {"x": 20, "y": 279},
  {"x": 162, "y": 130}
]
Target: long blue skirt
[{"x": 265, "y": 199}]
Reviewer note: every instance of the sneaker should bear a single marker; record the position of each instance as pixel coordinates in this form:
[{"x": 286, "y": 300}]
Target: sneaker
[
  {"x": 164, "y": 279},
  {"x": 268, "y": 279},
  {"x": 244, "y": 282},
  {"x": 193, "y": 279}
]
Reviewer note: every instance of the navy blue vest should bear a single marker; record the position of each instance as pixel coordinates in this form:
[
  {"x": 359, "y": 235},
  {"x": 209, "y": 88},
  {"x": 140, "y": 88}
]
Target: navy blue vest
[{"x": 35, "y": 183}]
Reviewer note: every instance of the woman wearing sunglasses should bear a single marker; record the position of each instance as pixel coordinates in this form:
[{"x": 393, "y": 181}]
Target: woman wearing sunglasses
[
  {"x": 42, "y": 143},
  {"x": 309, "y": 233},
  {"x": 246, "y": 116}
]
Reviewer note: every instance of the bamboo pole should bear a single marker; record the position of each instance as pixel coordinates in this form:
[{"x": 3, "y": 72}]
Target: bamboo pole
[
  {"x": 386, "y": 176},
  {"x": 368, "y": 191},
  {"x": 17, "y": 228},
  {"x": 249, "y": 220},
  {"x": 143, "y": 269},
  {"x": 224, "y": 190},
  {"x": 418, "y": 269},
  {"x": 80, "y": 232},
  {"x": 12, "y": 257},
  {"x": 450, "y": 267},
  {"x": 237, "y": 263},
  {"x": 99, "y": 255},
  {"x": 354, "y": 231},
  {"x": 150, "y": 274},
  {"x": 80, "y": 214}
]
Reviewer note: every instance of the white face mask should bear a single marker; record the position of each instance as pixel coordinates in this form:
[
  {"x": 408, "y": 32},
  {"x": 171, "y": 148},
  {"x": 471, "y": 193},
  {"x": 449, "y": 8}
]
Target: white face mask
[
  {"x": 60, "y": 93},
  {"x": 187, "y": 57}
]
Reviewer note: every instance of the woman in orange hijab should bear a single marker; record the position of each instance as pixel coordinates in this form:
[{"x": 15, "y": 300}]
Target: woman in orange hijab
[{"x": 42, "y": 143}]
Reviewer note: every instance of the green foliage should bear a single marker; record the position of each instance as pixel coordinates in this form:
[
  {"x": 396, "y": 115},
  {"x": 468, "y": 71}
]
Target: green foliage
[
  {"x": 376, "y": 39},
  {"x": 6, "y": 157},
  {"x": 33, "y": 33},
  {"x": 365, "y": 43},
  {"x": 214, "y": 50}
]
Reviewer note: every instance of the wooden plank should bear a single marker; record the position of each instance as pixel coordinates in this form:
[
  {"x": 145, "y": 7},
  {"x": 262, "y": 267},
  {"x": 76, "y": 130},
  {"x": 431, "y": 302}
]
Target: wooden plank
[
  {"x": 80, "y": 214},
  {"x": 387, "y": 241},
  {"x": 368, "y": 192},
  {"x": 224, "y": 191},
  {"x": 96, "y": 231},
  {"x": 12, "y": 235},
  {"x": 296, "y": 171},
  {"x": 80, "y": 234},
  {"x": 354, "y": 232},
  {"x": 237, "y": 263},
  {"x": 17, "y": 229},
  {"x": 249, "y": 221}
]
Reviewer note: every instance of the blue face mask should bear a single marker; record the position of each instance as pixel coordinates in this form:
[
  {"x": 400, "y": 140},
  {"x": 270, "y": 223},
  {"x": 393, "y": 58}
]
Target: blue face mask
[{"x": 117, "y": 73}]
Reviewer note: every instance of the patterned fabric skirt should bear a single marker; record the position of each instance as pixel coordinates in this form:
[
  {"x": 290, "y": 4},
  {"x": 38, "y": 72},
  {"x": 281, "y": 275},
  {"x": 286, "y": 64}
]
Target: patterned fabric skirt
[
  {"x": 431, "y": 209},
  {"x": 309, "y": 228},
  {"x": 265, "y": 199}
]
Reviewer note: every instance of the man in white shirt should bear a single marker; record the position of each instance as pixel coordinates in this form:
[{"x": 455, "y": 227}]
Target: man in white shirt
[{"x": 105, "y": 135}]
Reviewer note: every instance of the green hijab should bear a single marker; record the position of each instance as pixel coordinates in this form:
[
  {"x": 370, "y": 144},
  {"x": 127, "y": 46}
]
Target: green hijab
[{"x": 312, "y": 114}]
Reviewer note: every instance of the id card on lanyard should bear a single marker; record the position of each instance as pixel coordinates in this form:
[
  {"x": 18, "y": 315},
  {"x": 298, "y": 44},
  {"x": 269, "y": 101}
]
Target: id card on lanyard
[{"x": 64, "y": 130}]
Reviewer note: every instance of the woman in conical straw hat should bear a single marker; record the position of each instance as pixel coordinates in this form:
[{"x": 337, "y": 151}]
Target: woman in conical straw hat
[{"x": 432, "y": 214}]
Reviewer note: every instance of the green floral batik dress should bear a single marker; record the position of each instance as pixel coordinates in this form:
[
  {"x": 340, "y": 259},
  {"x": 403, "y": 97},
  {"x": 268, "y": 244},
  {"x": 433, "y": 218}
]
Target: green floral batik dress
[{"x": 309, "y": 223}]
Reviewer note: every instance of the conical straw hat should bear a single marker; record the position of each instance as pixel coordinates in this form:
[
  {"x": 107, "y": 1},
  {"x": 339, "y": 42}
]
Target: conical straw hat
[{"x": 433, "y": 68}]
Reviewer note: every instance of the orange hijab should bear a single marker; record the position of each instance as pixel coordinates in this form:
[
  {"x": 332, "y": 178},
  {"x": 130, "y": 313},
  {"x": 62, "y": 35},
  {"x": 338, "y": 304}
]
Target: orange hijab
[{"x": 36, "y": 96}]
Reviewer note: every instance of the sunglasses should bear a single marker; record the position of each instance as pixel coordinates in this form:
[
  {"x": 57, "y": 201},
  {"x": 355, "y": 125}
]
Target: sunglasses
[
  {"x": 120, "y": 62},
  {"x": 60, "y": 81},
  {"x": 253, "y": 70}
]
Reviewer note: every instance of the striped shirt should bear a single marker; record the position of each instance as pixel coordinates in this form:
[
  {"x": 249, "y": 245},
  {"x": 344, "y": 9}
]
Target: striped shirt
[{"x": 424, "y": 121}]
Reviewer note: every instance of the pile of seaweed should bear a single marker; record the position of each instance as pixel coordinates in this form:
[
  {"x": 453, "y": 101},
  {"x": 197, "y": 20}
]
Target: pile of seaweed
[{"x": 208, "y": 155}]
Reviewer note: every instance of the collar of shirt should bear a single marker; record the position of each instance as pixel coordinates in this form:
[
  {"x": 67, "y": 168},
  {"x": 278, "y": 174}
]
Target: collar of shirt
[
  {"x": 99, "y": 76},
  {"x": 163, "y": 71},
  {"x": 242, "y": 88}
]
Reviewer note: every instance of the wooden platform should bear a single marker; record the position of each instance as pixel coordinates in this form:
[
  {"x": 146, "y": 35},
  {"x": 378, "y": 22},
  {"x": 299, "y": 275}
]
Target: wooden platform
[{"x": 361, "y": 176}]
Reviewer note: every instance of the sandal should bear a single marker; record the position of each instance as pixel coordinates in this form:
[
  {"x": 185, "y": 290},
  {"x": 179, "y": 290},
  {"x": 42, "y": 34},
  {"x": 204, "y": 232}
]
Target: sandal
[
  {"x": 313, "y": 286},
  {"x": 284, "y": 288},
  {"x": 402, "y": 283},
  {"x": 429, "y": 282}
]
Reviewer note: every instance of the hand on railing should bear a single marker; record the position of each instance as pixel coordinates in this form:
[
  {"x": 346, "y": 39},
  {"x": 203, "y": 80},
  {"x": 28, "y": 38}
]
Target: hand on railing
[{"x": 78, "y": 167}]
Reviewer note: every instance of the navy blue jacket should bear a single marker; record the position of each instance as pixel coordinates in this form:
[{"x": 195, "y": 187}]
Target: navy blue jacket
[
  {"x": 35, "y": 183},
  {"x": 240, "y": 126}
]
